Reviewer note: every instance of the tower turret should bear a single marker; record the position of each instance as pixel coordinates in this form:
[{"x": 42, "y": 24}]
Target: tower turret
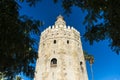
[
  {"x": 60, "y": 55},
  {"x": 60, "y": 22}
]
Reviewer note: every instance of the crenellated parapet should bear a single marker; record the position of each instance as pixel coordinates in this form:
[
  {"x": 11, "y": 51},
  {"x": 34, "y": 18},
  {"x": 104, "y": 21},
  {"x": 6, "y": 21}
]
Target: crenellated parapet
[{"x": 59, "y": 29}]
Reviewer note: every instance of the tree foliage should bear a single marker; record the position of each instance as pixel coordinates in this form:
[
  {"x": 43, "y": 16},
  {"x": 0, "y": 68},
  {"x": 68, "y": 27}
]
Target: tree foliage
[
  {"x": 108, "y": 11},
  {"x": 30, "y": 2},
  {"x": 2, "y": 76},
  {"x": 16, "y": 44},
  {"x": 18, "y": 78},
  {"x": 88, "y": 57}
]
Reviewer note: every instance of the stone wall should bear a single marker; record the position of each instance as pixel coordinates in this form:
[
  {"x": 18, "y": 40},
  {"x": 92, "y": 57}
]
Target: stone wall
[{"x": 61, "y": 44}]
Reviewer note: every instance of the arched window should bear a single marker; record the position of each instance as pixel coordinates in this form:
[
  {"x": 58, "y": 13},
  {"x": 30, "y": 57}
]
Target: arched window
[{"x": 53, "y": 62}]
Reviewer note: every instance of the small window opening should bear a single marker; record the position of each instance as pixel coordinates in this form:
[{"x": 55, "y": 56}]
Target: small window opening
[
  {"x": 53, "y": 62},
  {"x": 81, "y": 65},
  {"x": 67, "y": 41},
  {"x": 54, "y": 41},
  {"x": 43, "y": 44}
]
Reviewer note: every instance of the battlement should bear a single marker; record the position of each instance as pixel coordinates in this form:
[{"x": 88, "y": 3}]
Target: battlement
[
  {"x": 56, "y": 28},
  {"x": 55, "y": 31},
  {"x": 59, "y": 29}
]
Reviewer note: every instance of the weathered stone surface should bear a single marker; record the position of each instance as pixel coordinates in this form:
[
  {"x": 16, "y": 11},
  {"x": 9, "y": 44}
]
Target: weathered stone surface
[{"x": 61, "y": 43}]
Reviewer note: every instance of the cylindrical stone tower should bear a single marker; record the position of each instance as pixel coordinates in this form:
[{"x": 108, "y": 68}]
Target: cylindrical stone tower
[{"x": 60, "y": 55}]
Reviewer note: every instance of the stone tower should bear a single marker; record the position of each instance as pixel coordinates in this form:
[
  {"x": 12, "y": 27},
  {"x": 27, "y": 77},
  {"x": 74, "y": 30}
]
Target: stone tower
[{"x": 60, "y": 55}]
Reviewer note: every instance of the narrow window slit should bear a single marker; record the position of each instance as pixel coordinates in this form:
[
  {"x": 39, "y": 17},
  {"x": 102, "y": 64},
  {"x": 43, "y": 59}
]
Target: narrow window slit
[
  {"x": 54, "y": 41},
  {"x": 67, "y": 41}
]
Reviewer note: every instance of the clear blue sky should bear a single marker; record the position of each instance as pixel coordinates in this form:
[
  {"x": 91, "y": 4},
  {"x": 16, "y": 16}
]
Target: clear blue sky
[{"x": 107, "y": 63}]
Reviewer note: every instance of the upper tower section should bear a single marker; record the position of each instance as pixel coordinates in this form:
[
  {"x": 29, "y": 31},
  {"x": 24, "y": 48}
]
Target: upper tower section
[
  {"x": 60, "y": 23},
  {"x": 59, "y": 29}
]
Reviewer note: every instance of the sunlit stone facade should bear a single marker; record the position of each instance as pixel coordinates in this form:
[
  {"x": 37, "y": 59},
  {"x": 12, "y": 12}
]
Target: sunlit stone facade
[{"x": 60, "y": 55}]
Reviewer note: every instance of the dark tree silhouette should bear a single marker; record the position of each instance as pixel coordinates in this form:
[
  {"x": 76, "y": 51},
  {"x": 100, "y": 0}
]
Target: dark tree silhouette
[
  {"x": 108, "y": 10},
  {"x": 16, "y": 44}
]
